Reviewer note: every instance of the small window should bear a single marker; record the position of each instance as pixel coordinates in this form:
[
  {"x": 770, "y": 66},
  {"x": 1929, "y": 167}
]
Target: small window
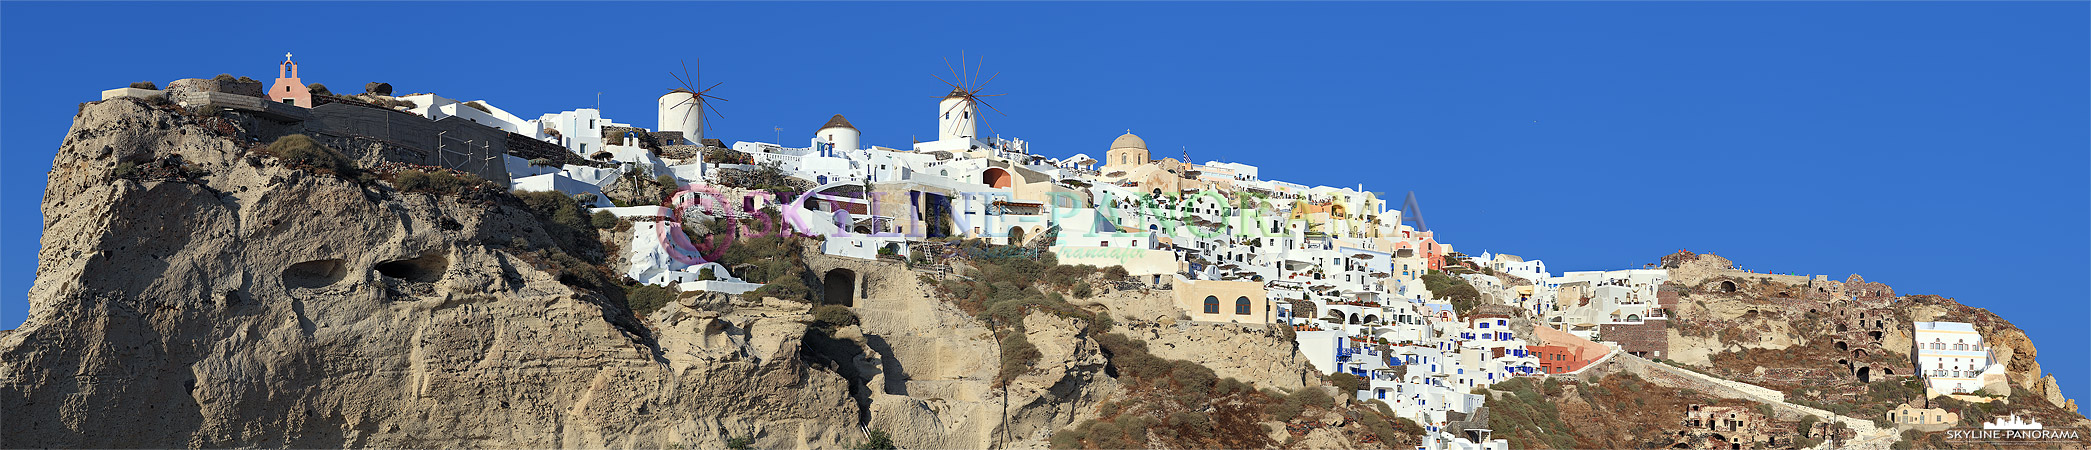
[{"x": 1241, "y": 306}]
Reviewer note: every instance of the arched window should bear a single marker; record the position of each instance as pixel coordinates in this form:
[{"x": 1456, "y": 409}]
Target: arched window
[
  {"x": 1212, "y": 305},
  {"x": 1241, "y": 306}
]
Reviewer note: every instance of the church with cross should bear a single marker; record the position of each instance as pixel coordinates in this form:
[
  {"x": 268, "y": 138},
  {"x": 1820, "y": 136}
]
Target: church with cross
[{"x": 288, "y": 89}]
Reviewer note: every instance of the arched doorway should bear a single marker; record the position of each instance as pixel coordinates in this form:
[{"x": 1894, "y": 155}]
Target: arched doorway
[
  {"x": 995, "y": 177},
  {"x": 838, "y": 287},
  {"x": 1016, "y": 235}
]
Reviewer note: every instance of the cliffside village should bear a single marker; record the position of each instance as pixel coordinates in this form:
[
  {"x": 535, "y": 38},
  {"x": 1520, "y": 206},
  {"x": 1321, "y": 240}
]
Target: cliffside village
[{"x": 1336, "y": 264}]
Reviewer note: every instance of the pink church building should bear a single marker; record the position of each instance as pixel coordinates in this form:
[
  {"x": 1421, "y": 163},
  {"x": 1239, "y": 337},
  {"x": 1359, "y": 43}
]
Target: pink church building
[{"x": 288, "y": 89}]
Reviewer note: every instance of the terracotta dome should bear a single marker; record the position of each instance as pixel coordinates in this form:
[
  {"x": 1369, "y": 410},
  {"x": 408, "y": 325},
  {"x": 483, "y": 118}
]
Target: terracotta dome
[{"x": 1129, "y": 141}]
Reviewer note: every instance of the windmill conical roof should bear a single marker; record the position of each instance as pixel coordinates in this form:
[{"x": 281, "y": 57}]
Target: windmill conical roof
[
  {"x": 1129, "y": 141},
  {"x": 837, "y": 122},
  {"x": 956, "y": 92}
]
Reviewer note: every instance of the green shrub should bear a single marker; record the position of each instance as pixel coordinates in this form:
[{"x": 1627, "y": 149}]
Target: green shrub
[
  {"x": 1115, "y": 273},
  {"x": 877, "y": 441},
  {"x": 667, "y": 181},
  {"x": 439, "y": 182},
  {"x": 705, "y": 274},
  {"x": 300, "y": 150},
  {"x": 126, "y": 169},
  {"x": 1194, "y": 383},
  {"x": 1314, "y": 396},
  {"x": 145, "y": 85},
  {"x": 646, "y": 298},
  {"x": 776, "y": 261},
  {"x": 1286, "y": 410},
  {"x": 318, "y": 89},
  {"x": 1066, "y": 440},
  {"x": 224, "y": 78},
  {"x": 1347, "y": 382},
  {"x": 740, "y": 443},
  {"x": 834, "y": 316},
  {"x": 1083, "y": 290},
  {"x": 1406, "y": 426},
  {"x": 603, "y": 220},
  {"x": 1017, "y": 356},
  {"x": 562, "y": 218},
  {"x": 411, "y": 181}
]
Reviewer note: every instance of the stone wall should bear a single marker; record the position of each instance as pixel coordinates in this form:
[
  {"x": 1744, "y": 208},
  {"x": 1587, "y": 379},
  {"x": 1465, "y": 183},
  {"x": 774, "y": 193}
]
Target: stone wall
[
  {"x": 1645, "y": 339},
  {"x": 454, "y": 142}
]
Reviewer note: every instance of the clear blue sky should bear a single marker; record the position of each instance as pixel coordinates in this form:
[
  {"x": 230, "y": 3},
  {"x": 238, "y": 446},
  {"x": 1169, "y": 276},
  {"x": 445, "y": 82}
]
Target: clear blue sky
[{"x": 1937, "y": 147}]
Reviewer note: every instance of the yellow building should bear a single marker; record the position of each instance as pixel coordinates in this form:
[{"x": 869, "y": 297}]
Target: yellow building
[{"x": 1224, "y": 301}]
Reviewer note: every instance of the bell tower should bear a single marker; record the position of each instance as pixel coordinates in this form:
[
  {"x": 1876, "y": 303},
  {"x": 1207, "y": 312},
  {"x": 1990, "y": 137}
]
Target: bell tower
[{"x": 288, "y": 89}]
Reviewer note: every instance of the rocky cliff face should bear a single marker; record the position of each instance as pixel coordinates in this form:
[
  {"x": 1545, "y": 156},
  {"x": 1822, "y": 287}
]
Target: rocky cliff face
[
  {"x": 262, "y": 305},
  {"x": 228, "y": 298},
  {"x": 1836, "y": 344}
]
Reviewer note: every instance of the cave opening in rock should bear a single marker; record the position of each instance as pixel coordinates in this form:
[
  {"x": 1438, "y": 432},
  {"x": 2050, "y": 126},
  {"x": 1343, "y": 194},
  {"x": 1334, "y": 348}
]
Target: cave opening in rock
[
  {"x": 426, "y": 268},
  {"x": 314, "y": 274},
  {"x": 837, "y": 287}
]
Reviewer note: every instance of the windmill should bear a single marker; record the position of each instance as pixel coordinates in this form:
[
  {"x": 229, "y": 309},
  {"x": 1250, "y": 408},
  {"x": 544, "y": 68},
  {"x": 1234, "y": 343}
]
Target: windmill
[
  {"x": 682, "y": 108},
  {"x": 959, "y": 112}
]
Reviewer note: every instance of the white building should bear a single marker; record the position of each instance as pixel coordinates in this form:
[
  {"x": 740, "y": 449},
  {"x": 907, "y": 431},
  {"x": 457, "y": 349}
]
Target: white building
[
  {"x": 580, "y": 130},
  {"x": 1953, "y": 359}
]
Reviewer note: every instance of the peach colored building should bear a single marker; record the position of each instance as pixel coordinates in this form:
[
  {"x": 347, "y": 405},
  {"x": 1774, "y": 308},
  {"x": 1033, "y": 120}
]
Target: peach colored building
[
  {"x": 1560, "y": 352},
  {"x": 1224, "y": 301},
  {"x": 288, "y": 89}
]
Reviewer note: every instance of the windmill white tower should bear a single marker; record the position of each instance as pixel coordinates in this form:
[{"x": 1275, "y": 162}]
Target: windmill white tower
[
  {"x": 840, "y": 133},
  {"x": 682, "y": 109},
  {"x": 674, "y": 115},
  {"x": 958, "y": 114}
]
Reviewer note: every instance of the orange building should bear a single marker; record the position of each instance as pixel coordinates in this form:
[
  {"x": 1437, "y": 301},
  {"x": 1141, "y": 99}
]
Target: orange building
[{"x": 1560, "y": 352}]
